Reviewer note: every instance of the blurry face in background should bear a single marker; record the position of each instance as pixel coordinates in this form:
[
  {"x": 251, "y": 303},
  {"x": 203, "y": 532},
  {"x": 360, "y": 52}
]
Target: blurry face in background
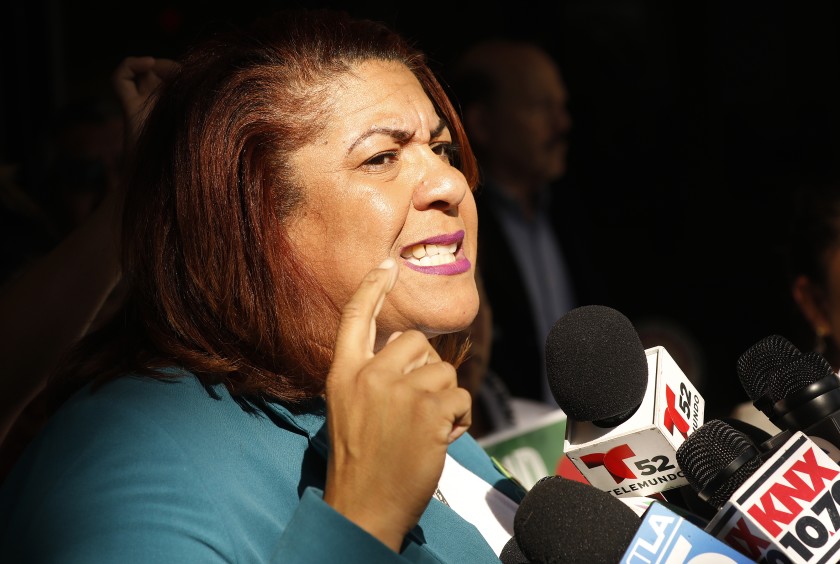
[
  {"x": 832, "y": 301},
  {"x": 820, "y": 304},
  {"x": 526, "y": 127},
  {"x": 379, "y": 182},
  {"x": 828, "y": 299}
]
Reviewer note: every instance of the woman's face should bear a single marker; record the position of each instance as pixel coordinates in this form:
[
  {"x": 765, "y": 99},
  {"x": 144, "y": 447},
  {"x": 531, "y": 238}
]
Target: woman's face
[{"x": 378, "y": 182}]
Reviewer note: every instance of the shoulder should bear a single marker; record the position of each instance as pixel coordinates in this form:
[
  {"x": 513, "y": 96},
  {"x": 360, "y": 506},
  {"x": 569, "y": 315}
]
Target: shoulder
[
  {"x": 142, "y": 461},
  {"x": 135, "y": 412},
  {"x": 178, "y": 417}
]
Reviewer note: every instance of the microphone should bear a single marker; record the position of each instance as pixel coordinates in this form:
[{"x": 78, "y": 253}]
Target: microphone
[
  {"x": 693, "y": 451},
  {"x": 774, "y": 506},
  {"x": 627, "y": 408},
  {"x": 716, "y": 459},
  {"x": 806, "y": 397},
  {"x": 561, "y": 520},
  {"x": 512, "y": 554},
  {"x": 796, "y": 391},
  {"x": 589, "y": 349},
  {"x": 758, "y": 362}
]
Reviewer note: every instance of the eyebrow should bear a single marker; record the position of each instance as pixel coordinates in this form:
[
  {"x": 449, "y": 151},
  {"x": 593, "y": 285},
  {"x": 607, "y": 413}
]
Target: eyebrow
[{"x": 401, "y": 135}]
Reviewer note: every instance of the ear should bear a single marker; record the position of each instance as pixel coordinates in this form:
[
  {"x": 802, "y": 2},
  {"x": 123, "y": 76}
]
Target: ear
[{"x": 811, "y": 301}]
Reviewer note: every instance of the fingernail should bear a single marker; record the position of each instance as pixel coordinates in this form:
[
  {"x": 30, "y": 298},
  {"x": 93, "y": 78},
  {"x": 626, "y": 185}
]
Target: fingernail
[{"x": 390, "y": 265}]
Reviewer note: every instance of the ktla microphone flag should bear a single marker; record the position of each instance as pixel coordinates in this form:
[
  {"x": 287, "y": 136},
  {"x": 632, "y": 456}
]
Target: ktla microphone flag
[{"x": 666, "y": 537}]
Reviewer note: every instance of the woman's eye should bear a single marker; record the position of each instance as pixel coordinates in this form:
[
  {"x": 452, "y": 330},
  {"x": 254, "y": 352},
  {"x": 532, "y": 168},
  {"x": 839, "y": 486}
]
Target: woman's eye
[
  {"x": 382, "y": 159},
  {"x": 447, "y": 151}
]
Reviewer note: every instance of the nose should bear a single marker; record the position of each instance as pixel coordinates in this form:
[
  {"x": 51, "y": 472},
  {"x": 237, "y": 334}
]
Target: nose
[{"x": 441, "y": 186}]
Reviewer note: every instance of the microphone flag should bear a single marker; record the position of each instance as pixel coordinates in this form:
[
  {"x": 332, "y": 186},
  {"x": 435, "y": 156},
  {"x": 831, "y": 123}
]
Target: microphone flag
[
  {"x": 666, "y": 537},
  {"x": 638, "y": 457},
  {"x": 786, "y": 511}
]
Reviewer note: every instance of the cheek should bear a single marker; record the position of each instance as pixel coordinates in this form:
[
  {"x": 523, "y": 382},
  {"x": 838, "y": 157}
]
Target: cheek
[
  {"x": 384, "y": 206},
  {"x": 313, "y": 237},
  {"x": 308, "y": 232},
  {"x": 376, "y": 221},
  {"x": 355, "y": 240}
]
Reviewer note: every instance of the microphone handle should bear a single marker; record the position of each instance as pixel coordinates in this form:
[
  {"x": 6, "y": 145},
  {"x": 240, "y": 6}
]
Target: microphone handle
[
  {"x": 772, "y": 444},
  {"x": 826, "y": 434}
]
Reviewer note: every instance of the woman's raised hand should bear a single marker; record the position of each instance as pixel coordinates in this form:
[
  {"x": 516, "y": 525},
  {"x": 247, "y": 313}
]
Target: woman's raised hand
[{"x": 391, "y": 416}]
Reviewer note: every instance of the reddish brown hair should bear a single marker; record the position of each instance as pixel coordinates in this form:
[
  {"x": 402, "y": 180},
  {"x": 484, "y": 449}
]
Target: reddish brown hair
[{"x": 215, "y": 285}]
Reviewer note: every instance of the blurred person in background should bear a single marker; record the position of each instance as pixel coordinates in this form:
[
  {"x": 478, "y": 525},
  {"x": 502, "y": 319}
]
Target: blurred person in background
[
  {"x": 56, "y": 293},
  {"x": 534, "y": 235},
  {"x": 814, "y": 266},
  {"x": 812, "y": 253}
]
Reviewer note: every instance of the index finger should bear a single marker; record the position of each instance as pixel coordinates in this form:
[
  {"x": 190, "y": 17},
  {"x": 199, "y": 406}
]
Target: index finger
[{"x": 357, "y": 330}]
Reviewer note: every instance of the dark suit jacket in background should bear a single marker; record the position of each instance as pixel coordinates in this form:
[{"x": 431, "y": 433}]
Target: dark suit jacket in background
[{"x": 516, "y": 354}]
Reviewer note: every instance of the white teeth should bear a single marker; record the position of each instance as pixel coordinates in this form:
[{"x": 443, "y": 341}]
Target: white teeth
[
  {"x": 420, "y": 251},
  {"x": 447, "y": 249},
  {"x": 434, "y": 260},
  {"x": 430, "y": 255}
]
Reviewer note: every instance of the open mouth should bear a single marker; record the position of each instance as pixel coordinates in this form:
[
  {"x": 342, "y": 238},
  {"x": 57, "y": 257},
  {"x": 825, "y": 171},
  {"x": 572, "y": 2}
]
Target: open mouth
[
  {"x": 430, "y": 254},
  {"x": 441, "y": 254}
]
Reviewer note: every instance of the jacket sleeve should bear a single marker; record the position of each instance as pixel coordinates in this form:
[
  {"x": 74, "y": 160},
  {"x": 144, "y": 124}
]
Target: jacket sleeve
[{"x": 318, "y": 533}]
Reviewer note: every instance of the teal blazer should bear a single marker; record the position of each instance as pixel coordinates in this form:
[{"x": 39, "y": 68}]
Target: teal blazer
[{"x": 146, "y": 470}]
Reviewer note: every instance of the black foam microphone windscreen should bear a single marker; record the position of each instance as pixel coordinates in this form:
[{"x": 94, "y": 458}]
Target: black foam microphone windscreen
[
  {"x": 563, "y": 520},
  {"x": 512, "y": 554},
  {"x": 596, "y": 364},
  {"x": 716, "y": 460}
]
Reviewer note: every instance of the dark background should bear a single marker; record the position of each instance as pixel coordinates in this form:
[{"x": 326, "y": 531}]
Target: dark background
[{"x": 693, "y": 124}]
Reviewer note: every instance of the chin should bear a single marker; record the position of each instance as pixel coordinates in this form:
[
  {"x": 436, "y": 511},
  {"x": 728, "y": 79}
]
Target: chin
[
  {"x": 452, "y": 324},
  {"x": 447, "y": 316}
]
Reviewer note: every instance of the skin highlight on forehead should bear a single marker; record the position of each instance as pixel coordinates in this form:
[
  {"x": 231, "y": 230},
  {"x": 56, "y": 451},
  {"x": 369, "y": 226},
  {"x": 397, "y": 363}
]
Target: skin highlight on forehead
[{"x": 391, "y": 100}]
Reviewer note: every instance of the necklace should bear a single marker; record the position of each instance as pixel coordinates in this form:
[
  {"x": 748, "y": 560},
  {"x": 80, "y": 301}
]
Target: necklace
[{"x": 440, "y": 498}]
